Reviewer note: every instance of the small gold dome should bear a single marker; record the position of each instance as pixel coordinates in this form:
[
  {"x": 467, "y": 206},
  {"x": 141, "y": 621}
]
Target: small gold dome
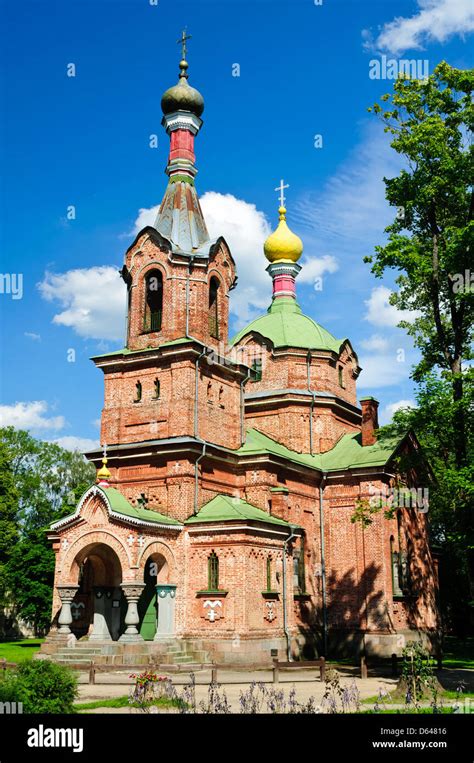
[
  {"x": 103, "y": 473},
  {"x": 283, "y": 244}
]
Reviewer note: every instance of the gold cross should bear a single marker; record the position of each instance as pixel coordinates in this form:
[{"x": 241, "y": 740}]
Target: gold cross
[
  {"x": 182, "y": 42},
  {"x": 281, "y": 188}
]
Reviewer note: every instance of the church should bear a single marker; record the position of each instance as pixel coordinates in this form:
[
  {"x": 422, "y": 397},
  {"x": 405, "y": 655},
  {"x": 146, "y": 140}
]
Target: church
[{"x": 221, "y": 525}]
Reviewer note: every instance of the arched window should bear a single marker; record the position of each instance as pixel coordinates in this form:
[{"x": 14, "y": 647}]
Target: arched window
[
  {"x": 156, "y": 392},
  {"x": 213, "y": 572},
  {"x": 341, "y": 376},
  {"x": 153, "y": 301},
  {"x": 138, "y": 392},
  {"x": 213, "y": 308}
]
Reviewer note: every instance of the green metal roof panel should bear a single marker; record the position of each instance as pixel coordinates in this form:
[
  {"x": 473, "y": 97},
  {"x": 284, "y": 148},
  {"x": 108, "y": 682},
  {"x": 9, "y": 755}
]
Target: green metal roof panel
[
  {"x": 224, "y": 508},
  {"x": 285, "y": 326},
  {"x": 347, "y": 453},
  {"x": 120, "y": 505},
  {"x": 126, "y": 351},
  {"x": 256, "y": 442}
]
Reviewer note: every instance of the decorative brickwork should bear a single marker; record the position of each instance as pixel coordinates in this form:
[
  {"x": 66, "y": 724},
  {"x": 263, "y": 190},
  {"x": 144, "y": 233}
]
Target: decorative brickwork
[{"x": 178, "y": 400}]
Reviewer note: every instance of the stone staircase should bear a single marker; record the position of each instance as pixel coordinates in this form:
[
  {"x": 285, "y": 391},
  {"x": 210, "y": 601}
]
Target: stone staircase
[{"x": 171, "y": 652}]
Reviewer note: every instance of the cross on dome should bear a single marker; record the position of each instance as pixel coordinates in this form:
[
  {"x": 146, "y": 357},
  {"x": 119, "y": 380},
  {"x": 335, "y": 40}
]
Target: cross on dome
[
  {"x": 182, "y": 41},
  {"x": 281, "y": 188}
]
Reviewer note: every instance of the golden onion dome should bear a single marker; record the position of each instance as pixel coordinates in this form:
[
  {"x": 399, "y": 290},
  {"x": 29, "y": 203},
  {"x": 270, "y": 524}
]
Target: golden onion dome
[
  {"x": 283, "y": 244},
  {"x": 182, "y": 97},
  {"x": 103, "y": 474}
]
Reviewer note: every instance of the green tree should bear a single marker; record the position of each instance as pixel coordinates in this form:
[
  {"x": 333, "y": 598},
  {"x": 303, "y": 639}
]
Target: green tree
[
  {"x": 48, "y": 481},
  {"x": 9, "y": 523},
  {"x": 430, "y": 241},
  {"x": 451, "y": 492}
]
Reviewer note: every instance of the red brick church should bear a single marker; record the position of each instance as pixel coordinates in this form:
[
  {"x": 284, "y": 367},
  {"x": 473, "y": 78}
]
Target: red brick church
[{"x": 220, "y": 525}]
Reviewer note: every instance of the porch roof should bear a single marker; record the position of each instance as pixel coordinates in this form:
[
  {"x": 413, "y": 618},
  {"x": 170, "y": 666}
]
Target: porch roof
[
  {"x": 119, "y": 507},
  {"x": 226, "y": 508}
]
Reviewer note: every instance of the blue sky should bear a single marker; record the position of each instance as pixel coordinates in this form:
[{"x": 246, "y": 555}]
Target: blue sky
[{"x": 83, "y": 141}]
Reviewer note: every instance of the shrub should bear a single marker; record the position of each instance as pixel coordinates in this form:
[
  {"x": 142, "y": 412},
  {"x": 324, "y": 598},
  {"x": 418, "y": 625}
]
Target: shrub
[{"x": 42, "y": 686}]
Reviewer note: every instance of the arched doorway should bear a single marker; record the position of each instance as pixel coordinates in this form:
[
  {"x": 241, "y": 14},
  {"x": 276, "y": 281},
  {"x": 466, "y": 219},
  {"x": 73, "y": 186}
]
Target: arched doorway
[
  {"x": 156, "y": 603},
  {"x": 98, "y": 606}
]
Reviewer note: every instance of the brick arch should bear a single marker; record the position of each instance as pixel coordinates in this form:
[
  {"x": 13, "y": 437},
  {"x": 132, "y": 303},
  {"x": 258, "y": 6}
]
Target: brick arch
[
  {"x": 105, "y": 537},
  {"x": 152, "y": 265},
  {"x": 158, "y": 547}
]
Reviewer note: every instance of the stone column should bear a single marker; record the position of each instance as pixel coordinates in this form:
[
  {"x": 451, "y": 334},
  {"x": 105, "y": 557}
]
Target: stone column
[
  {"x": 166, "y": 594},
  {"x": 132, "y": 593},
  {"x": 66, "y": 594}
]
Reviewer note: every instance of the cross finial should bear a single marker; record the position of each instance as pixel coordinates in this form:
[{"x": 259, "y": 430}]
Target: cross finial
[
  {"x": 281, "y": 188},
  {"x": 105, "y": 450},
  {"x": 182, "y": 41}
]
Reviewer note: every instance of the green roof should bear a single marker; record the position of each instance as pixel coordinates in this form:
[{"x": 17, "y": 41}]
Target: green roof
[
  {"x": 120, "y": 505},
  {"x": 225, "y": 508},
  {"x": 347, "y": 453},
  {"x": 256, "y": 442},
  {"x": 285, "y": 326},
  {"x": 126, "y": 351}
]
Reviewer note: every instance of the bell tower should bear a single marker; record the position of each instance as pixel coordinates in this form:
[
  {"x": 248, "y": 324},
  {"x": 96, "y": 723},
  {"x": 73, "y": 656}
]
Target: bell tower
[
  {"x": 178, "y": 279},
  {"x": 163, "y": 384}
]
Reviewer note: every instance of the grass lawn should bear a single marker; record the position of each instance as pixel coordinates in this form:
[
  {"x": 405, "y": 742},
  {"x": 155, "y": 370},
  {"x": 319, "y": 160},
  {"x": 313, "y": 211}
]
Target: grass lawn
[
  {"x": 421, "y": 711},
  {"x": 17, "y": 651},
  {"x": 163, "y": 702},
  {"x": 458, "y": 653},
  {"x": 395, "y": 700}
]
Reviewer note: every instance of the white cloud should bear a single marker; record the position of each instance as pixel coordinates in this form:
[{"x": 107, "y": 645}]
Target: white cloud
[
  {"x": 93, "y": 301},
  {"x": 96, "y": 423},
  {"x": 436, "y": 21},
  {"x": 82, "y": 444},
  {"x": 387, "y": 412},
  {"x": 381, "y": 313},
  {"x": 376, "y": 343},
  {"x": 382, "y": 370},
  {"x": 31, "y": 415},
  {"x": 145, "y": 218},
  {"x": 245, "y": 229},
  {"x": 316, "y": 267},
  {"x": 31, "y": 335}
]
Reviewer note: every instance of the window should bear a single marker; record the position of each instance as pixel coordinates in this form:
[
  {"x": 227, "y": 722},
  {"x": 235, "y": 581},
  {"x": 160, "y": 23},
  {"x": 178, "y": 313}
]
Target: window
[
  {"x": 138, "y": 392},
  {"x": 156, "y": 389},
  {"x": 153, "y": 301},
  {"x": 341, "y": 376},
  {"x": 299, "y": 574},
  {"x": 403, "y": 567},
  {"x": 395, "y": 562},
  {"x": 213, "y": 572},
  {"x": 257, "y": 367},
  {"x": 213, "y": 308},
  {"x": 269, "y": 573}
]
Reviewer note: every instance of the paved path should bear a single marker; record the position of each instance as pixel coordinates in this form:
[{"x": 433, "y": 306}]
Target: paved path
[{"x": 306, "y": 683}]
